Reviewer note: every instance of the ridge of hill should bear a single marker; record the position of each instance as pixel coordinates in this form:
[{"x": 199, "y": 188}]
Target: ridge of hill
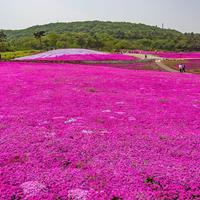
[
  {"x": 100, "y": 35},
  {"x": 116, "y": 29}
]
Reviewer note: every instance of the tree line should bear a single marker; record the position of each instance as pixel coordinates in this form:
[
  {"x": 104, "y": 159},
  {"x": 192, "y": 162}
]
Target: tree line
[{"x": 106, "y": 36}]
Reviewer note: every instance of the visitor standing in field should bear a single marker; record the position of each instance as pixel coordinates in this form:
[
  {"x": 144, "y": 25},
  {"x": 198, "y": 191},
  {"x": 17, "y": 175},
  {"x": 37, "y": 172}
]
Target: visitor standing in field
[
  {"x": 183, "y": 67},
  {"x": 180, "y": 66}
]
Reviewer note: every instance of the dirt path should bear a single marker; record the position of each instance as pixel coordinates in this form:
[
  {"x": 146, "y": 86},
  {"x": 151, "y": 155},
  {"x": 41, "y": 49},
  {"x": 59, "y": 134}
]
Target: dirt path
[
  {"x": 142, "y": 56},
  {"x": 165, "y": 67},
  {"x": 157, "y": 59}
]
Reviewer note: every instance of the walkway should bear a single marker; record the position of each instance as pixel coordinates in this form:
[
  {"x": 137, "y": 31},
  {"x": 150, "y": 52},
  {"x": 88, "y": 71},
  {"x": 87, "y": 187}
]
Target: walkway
[{"x": 165, "y": 67}]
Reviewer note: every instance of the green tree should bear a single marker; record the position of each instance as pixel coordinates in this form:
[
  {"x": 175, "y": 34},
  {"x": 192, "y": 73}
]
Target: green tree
[
  {"x": 38, "y": 35},
  {"x": 3, "y": 38},
  {"x": 52, "y": 40}
]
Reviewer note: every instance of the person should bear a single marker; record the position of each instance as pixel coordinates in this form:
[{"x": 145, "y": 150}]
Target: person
[
  {"x": 183, "y": 67},
  {"x": 145, "y": 56},
  {"x": 180, "y": 66}
]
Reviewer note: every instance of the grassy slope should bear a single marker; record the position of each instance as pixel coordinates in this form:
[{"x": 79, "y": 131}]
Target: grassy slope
[{"x": 17, "y": 54}]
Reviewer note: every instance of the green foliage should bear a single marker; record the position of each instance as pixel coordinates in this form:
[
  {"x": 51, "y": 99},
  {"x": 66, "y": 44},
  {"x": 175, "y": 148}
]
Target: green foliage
[
  {"x": 3, "y": 38},
  {"x": 17, "y": 54},
  {"x": 38, "y": 35},
  {"x": 106, "y": 36}
]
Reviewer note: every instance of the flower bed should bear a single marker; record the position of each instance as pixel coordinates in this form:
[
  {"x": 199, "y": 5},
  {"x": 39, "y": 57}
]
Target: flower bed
[
  {"x": 193, "y": 64},
  {"x": 171, "y": 55},
  {"x": 76, "y": 55},
  {"x": 95, "y": 133},
  {"x": 137, "y": 65}
]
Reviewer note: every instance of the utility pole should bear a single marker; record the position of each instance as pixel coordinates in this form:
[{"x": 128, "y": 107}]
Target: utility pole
[{"x": 162, "y": 25}]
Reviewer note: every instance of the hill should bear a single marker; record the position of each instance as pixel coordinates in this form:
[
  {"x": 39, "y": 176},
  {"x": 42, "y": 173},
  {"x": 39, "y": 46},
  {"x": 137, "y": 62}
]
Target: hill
[
  {"x": 101, "y": 35},
  {"x": 122, "y": 30}
]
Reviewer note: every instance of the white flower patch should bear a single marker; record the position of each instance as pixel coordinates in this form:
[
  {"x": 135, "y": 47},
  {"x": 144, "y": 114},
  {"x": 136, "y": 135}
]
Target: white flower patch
[
  {"x": 120, "y": 113},
  {"x": 78, "y": 194},
  {"x": 60, "y": 117},
  {"x": 106, "y": 111},
  {"x": 196, "y": 106},
  {"x": 44, "y": 123},
  {"x": 33, "y": 188},
  {"x": 111, "y": 117},
  {"x": 87, "y": 131},
  {"x": 119, "y": 103},
  {"x": 71, "y": 120}
]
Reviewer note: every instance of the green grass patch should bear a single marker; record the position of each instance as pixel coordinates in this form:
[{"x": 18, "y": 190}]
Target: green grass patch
[{"x": 17, "y": 54}]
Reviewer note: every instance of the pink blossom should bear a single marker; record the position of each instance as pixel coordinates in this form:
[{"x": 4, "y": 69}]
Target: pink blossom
[
  {"x": 170, "y": 55},
  {"x": 145, "y": 146}
]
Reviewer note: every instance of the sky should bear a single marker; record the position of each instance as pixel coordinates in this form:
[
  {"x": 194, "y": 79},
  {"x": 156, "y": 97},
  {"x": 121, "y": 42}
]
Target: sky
[{"x": 181, "y": 15}]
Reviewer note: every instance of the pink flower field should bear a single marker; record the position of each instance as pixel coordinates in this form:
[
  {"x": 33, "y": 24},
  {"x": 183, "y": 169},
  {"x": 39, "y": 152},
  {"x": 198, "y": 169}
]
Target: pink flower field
[
  {"x": 170, "y": 55},
  {"x": 98, "y": 133},
  {"x": 193, "y": 64},
  {"x": 136, "y": 65}
]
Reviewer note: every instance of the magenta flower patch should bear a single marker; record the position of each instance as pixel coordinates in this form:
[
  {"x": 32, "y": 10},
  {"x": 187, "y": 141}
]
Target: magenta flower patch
[
  {"x": 170, "y": 55},
  {"x": 94, "y": 133},
  {"x": 193, "y": 64}
]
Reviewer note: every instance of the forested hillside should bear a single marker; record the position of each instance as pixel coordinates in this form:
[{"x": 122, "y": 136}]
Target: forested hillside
[{"x": 107, "y": 36}]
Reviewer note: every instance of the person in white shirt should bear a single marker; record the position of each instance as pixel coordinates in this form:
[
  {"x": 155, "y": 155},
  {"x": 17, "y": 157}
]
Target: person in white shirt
[{"x": 180, "y": 66}]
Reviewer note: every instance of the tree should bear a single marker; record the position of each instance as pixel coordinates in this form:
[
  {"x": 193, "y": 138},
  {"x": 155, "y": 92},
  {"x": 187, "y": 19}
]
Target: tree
[
  {"x": 3, "y": 37},
  {"x": 123, "y": 44},
  {"x": 38, "y": 35},
  {"x": 53, "y": 38}
]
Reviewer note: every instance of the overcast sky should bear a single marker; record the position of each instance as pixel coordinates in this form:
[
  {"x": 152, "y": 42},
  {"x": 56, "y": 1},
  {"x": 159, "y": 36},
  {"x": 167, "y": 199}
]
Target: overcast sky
[{"x": 182, "y": 15}]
